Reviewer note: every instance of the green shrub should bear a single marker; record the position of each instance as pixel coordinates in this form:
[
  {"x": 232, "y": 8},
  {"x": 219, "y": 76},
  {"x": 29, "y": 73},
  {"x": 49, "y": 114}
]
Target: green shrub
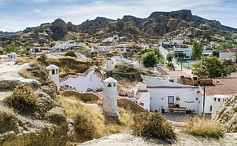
[
  {"x": 23, "y": 99},
  {"x": 127, "y": 71},
  {"x": 204, "y": 127},
  {"x": 71, "y": 54},
  {"x": 8, "y": 119},
  {"x": 149, "y": 59},
  {"x": 154, "y": 125},
  {"x": 84, "y": 127},
  {"x": 170, "y": 66}
]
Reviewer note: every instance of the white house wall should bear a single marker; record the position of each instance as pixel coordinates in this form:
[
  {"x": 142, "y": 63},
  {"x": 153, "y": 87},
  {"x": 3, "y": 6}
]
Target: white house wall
[
  {"x": 189, "y": 98},
  {"x": 226, "y": 55},
  {"x": 82, "y": 83},
  {"x": 145, "y": 99},
  {"x": 218, "y": 103}
]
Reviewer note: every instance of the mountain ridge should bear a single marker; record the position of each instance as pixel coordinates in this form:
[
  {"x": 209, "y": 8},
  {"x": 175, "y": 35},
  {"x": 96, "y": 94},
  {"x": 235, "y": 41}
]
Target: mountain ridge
[{"x": 181, "y": 23}]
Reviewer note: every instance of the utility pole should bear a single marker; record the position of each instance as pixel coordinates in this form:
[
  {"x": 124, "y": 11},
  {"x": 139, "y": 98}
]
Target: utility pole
[
  {"x": 181, "y": 63},
  {"x": 204, "y": 94}
]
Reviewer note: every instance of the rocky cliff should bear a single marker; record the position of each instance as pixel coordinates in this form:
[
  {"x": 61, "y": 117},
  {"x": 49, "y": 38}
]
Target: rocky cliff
[
  {"x": 158, "y": 24},
  {"x": 227, "y": 115}
]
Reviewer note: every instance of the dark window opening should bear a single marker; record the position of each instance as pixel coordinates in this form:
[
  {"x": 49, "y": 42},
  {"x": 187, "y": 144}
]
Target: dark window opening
[
  {"x": 53, "y": 72},
  {"x": 170, "y": 99},
  {"x": 109, "y": 85},
  {"x": 210, "y": 108},
  {"x": 219, "y": 99},
  {"x": 214, "y": 99}
]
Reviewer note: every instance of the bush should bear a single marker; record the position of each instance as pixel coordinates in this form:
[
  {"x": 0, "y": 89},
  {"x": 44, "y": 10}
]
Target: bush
[
  {"x": 149, "y": 59},
  {"x": 84, "y": 126},
  {"x": 127, "y": 71},
  {"x": 203, "y": 127},
  {"x": 170, "y": 66},
  {"x": 8, "y": 119},
  {"x": 154, "y": 125},
  {"x": 23, "y": 99},
  {"x": 71, "y": 54}
]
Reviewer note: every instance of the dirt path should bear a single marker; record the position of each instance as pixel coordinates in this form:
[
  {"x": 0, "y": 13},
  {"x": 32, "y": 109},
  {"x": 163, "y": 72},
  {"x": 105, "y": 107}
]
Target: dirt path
[{"x": 126, "y": 139}]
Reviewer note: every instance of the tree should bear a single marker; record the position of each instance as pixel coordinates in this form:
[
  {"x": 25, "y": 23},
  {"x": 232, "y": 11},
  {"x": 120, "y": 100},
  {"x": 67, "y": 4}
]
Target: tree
[
  {"x": 197, "y": 50},
  {"x": 11, "y": 48},
  {"x": 215, "y": 53},
  {"x": 209, "y": 67},
  {"x": 71, "y": 53},
  {"x": 180, "y": 55},
  {"x": 149, "y": 59},
  {"x": 158, "y": 54},
  {"x": 226, "y": 45},
  {"x": 169, "y": 57}
]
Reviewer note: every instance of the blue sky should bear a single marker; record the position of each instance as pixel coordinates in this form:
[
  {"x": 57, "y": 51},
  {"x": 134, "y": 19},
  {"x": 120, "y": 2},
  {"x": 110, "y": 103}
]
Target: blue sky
[{"x": 18, "y": 14}]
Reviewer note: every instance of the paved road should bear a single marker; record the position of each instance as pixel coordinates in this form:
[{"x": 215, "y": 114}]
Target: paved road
[{"x": 164, "y": 52}]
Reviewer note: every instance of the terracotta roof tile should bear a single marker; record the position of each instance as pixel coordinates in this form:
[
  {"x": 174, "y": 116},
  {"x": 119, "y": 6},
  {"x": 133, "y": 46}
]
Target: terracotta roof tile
[
  {"x": 230, "y": 50},
  {"x": 225, "y": 86}
]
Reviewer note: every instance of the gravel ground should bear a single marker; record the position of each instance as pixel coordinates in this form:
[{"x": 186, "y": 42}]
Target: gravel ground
[{"x": 126, "y": 139}]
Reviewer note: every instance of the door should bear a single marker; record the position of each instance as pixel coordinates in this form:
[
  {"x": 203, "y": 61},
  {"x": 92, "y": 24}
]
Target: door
[{"x": 171, "y": 101}]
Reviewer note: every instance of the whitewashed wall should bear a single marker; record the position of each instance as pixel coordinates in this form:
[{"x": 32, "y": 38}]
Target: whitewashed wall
[
  {"x": 189, "y": 98},
  {"x": 82, "y": 83},
  {"x": 145, "y": 99},
  {"x": 218, "y": 104},
  {"x": 226, "y": 55}
]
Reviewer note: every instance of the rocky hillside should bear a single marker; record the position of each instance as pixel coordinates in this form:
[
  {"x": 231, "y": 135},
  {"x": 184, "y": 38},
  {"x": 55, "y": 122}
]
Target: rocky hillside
[
  {"x": 168, "y": 24},
  {"x": 30, "y": 112},
  {"x": 227, "y": 115}
]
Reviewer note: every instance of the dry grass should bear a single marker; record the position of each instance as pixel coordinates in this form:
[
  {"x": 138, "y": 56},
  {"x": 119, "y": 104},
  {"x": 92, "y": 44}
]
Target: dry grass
[
  {"x": 85, "y": 97},
  {"x": 90, "y": 123},
  {"x": 204, "y": 127},
  {"x": 154, "y": 125},
  {"x": 23, "y": 99},
  {"x": 8, "y": 119},
  {"x": 69, "y": 65},
  {"x": 24, "y": 73},
  {"x": 129, "y": 105}
]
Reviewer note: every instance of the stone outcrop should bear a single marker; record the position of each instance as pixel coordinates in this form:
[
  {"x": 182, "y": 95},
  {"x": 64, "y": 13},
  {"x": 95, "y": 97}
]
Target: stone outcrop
[
  {"x": 227, "y": 115},
  {"x": 45, "y": 124}
]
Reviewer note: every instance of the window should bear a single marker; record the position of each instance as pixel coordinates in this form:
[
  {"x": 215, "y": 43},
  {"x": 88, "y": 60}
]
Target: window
[
  {"x": 219, "y": 99},
  {"x": 171, "y": 80},
  {"x": 114, "y": 85},
  {"x": 57, "y": 71},
  {"x": 109, "y": 85},
  {"x": 170, "y": 99},
  {"x": 210, "y": 108},
  {"x": 53, "y": 71},
  {"x": 214, "y": 99}
]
